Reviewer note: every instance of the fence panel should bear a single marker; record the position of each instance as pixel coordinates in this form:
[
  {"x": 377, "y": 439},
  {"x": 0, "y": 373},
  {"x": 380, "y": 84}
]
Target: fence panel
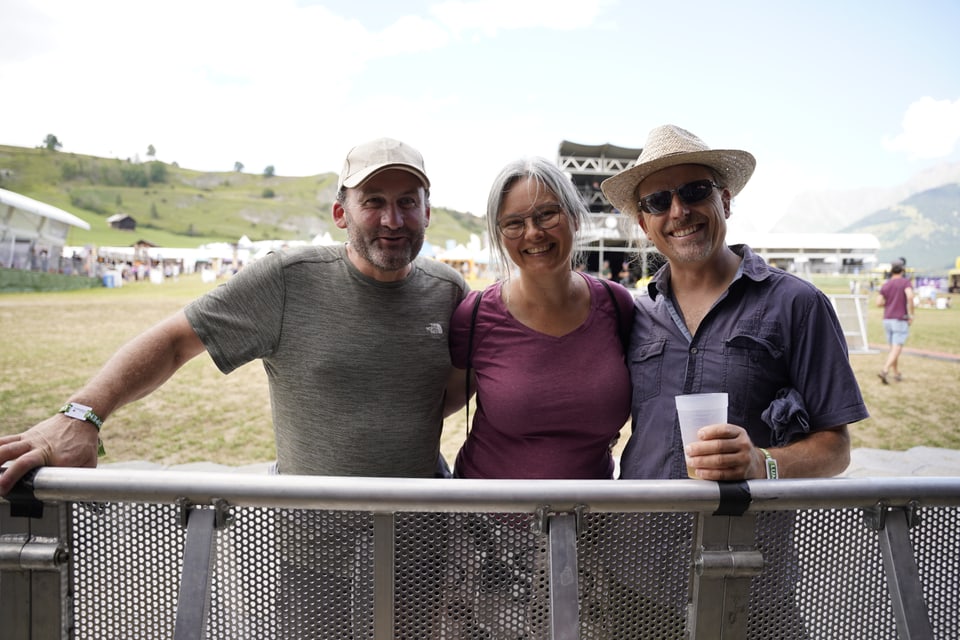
[{"x": 461, "y": 571}]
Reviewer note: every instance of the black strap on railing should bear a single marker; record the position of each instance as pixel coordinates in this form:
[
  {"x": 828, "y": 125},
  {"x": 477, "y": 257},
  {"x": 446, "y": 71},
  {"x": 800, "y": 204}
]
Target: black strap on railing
[
  {"x": 23, "y": 503},
  {"x": 734, "y": 498}
]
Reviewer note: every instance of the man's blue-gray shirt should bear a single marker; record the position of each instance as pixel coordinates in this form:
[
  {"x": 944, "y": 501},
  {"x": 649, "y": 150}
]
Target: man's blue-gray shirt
[{"x": 771, "y": 333}]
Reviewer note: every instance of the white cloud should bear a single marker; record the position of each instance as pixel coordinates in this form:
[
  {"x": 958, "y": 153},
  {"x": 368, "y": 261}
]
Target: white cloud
[
  {"x": 471, "y": 83},
  {"x": 931, "y": 129},
  {"x": 490, "y": 16}
]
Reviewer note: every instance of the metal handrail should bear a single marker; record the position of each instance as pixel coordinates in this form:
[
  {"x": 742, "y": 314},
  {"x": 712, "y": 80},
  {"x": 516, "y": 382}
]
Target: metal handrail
[{"x": 411, "y": 495}]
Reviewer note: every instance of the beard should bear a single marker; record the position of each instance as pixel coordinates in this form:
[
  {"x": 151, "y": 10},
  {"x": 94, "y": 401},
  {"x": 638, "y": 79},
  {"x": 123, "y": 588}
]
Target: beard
[
  {"x": 390, "y": 258},
  {"x": 690, "y": 255}
]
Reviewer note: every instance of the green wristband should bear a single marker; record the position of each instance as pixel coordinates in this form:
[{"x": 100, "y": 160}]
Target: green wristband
[
  {"x": 82, "y": 412},
  {"x": 771, "y": 464}
]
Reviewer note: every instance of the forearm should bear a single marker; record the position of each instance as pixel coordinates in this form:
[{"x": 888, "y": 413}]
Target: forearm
[
  {"x": 135, "y": 370},
  {"x": 819, "y": 455},
  {"x": 141, "y": 366},
  {"x": 455, "y": 396}
]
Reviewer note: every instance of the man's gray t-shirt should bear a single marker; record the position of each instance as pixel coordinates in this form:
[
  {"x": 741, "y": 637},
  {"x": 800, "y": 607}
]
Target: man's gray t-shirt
[{"x": 357, "y": 367}]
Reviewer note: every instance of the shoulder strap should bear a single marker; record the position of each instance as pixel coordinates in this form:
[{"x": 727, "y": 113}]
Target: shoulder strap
[
  {"x": 621, "y": 330},
  {"x": 473, "y": 324}
]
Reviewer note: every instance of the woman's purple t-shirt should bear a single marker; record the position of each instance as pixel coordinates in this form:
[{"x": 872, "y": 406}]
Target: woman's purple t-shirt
[{"x": 548, "y": 407}]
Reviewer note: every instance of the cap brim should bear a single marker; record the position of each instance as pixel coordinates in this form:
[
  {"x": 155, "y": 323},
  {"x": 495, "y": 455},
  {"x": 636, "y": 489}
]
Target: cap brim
[{"x": 365, "y": 174}]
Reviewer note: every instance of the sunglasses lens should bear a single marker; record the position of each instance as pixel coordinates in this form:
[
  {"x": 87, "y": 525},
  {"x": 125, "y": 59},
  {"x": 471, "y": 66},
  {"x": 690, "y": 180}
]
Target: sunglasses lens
[
  {"x": 690, "y": 193},
  {"x": 695, "y": 191},
  {"x": 658, "y": 202}
]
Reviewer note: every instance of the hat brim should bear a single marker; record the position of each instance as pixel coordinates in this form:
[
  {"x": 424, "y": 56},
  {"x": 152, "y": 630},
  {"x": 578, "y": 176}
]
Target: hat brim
[
  {"x": 735, "y": 168},
  {"x": 362, "y": 176}
]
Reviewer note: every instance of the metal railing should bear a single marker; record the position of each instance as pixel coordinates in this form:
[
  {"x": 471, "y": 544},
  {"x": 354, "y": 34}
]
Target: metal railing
[{"x": 153, "y": 554}]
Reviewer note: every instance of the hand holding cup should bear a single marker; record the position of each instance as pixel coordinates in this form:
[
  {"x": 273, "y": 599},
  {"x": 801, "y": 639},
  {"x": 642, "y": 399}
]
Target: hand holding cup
[{"x": 697, "y": 410}]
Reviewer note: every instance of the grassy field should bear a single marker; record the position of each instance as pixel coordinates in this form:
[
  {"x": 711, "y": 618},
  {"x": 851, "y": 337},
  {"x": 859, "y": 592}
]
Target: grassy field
[{"x": 51, "y": 343}]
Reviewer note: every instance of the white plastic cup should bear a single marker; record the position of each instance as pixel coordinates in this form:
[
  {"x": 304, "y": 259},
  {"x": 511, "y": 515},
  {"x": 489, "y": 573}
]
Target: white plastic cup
[{"x": 697, "y": 410}]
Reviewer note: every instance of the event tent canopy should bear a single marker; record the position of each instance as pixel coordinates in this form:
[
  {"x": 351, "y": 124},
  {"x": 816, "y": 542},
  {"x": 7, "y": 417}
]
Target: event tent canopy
[{"x": 27, "y": 224}]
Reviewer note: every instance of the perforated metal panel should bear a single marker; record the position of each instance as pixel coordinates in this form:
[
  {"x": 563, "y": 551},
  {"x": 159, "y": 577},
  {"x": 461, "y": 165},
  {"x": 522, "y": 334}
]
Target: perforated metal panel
[
  {"x": 936, "y": 544},
  {"x": 494, "y": 578},
  {"x": 635, "y": 575},
  {"x": 277, "y": 574},
  {"x": 126, "y": 569},
  {"x": 311, "y": 574}
]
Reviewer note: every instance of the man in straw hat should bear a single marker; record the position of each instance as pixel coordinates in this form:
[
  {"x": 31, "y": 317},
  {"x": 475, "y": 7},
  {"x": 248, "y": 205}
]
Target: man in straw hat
[{"x": 719, "y": 319}]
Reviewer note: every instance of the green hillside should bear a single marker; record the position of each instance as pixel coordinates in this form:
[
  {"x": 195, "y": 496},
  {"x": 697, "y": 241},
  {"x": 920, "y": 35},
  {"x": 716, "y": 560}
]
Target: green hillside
[
  {"x": 924, "y": 228},
  {"x": 177, "y": 207}
]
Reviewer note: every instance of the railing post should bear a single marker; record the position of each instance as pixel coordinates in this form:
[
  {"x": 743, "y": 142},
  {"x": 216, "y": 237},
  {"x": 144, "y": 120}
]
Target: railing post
[
  {"x": 193, "y": 604},
  {"x": 34, "y": 569},
  {"x": 900, "y": 567},
  {"x": 384, "y": 553},
  {"x": 564, "y": 588},
  {"x": 725, "y": 561}
]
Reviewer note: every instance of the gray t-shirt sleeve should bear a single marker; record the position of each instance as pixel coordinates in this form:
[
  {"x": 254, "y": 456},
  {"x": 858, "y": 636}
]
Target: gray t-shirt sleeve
[{"x": 241, "y": 320}]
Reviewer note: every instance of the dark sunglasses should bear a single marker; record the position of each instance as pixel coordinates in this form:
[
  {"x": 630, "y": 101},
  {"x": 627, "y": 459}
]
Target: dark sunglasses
[{"x": 690, "y": 193}]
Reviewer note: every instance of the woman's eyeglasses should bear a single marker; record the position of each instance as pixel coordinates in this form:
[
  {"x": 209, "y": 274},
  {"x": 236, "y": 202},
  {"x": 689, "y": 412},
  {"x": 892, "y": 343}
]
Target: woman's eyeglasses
[
  {"x": 690, "y": 193},
  {"x": 514, "y": 226}
]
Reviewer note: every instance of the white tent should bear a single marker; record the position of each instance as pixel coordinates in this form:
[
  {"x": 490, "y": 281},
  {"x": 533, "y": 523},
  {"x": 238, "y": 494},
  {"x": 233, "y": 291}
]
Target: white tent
[
  {"x": 324, "y": 240},
  {"x": 29, "y": 227}
]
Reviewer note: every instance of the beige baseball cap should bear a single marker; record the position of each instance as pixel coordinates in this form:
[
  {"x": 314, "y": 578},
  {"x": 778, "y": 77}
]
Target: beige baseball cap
[{"x": 367, "y": 159}]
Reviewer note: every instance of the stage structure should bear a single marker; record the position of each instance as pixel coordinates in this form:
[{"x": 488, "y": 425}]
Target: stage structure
[{"x": 611, "y": 237}]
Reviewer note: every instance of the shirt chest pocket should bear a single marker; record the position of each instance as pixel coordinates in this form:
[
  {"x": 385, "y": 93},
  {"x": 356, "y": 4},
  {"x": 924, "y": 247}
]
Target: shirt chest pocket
[
  {"x": 754, "y": 368},
  {"x": 646, "y": 368}
]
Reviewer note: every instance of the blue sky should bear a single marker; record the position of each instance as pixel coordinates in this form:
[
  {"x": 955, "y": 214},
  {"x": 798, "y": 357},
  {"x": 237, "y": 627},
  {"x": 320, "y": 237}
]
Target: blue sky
[{"x": 827, "y": 95}]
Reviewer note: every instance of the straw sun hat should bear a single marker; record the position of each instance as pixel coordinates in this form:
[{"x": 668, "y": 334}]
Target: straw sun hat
[{"x": 668, "y": 146}]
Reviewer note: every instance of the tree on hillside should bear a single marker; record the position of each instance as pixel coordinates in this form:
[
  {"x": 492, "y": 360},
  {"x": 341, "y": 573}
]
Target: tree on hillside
[
  {"x": 268, "y": 172},
  {"x": 151, "y": 151},
  {"x": 238, "y": 166},
  {"x": 51, "y": 143},
  {"x": 158, "y": 172}
]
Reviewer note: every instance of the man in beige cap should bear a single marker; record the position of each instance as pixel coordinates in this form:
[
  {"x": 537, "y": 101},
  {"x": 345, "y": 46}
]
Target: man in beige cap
[
  {"x": 719, "y": 319},
  {"x": 354, "y": 342},
  {"x": 353, "y": 339}
]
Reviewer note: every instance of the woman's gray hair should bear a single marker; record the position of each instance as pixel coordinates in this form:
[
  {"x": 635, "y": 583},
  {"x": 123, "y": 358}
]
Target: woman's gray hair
[{"x": 547, "y": 176}]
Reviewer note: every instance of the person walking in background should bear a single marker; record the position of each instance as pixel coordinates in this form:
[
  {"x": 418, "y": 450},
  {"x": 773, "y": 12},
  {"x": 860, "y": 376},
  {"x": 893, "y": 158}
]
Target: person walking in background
[
  {"x": 544, "y": 346},
  {"x": 896, "y": 298}
]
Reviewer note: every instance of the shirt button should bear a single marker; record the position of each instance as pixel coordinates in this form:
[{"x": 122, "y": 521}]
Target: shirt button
[{"x": 693, "y": 350}]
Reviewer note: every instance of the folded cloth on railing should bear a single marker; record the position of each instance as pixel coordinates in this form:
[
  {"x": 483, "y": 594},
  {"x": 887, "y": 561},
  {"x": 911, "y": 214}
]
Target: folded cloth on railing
[{"x": 786, "y": 416}]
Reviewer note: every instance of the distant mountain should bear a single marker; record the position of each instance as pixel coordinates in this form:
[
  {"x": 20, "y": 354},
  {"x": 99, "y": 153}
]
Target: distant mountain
[
  {"x": 833, "y": 210},
  {"x": 917, "y": 219},
  {"x": 924, "y": 229}
]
